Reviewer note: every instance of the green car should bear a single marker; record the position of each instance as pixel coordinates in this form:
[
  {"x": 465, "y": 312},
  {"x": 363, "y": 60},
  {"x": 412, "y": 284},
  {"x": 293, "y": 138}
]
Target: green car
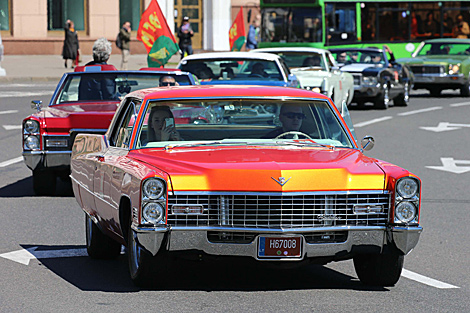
[{"x": 440, "y": 64}]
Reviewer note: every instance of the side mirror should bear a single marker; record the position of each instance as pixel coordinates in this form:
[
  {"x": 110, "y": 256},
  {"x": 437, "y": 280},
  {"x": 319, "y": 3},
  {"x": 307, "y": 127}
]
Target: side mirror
[
  {"x": 36, "y": 104},
  {"x": 293, "y": 81},
  {"x": 367, "y": 143}
]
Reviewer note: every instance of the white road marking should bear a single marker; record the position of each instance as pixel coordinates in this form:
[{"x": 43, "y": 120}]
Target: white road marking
[
  {"x": 10, "y": 162},
  {"x": 419, "y": 111},
  {"x": 23, "y": 256},
  {"x": 451, "y": 165},
  {"x": 12, "y": 127},
  {"x": 426, "y": 280},
  {"x": 461, "y": 104},
  {"x": 8, "y": 112},
  {"x": 377, "y": 120},
  {"x": 18, "y": 94},
  {"x": 27, "y": 85},
  {"x": 445, "y": 126}
]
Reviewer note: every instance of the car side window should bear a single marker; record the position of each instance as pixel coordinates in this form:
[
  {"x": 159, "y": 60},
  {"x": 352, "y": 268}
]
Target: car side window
[{"x": 122, "y": 134}]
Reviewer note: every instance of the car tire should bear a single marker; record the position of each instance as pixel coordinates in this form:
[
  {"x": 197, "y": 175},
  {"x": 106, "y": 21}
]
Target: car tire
[
  {"x": 435, "y": 92},
  {"x": 98, "y": 245},
  {"x": 382, "y": 100},
  {"x": 404, "y": 98},
  {"x": 465, "y": 89},
  {"x": 142, "y": 265},
  {"x": 44, "y": 182},
  {"x": 379, "y": 269}
]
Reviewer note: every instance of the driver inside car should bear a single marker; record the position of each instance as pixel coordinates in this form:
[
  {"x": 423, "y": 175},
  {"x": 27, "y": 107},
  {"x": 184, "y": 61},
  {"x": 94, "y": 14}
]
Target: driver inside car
[
  {"x": 258, "y": 70},
  {"x": 291, "y": 118}
]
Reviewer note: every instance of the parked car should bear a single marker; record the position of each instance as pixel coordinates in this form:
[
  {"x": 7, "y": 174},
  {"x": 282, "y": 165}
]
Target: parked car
[
  {"x": 239, "y": 68},
  {"x": 84, "y": 101},
  {"x": 318, "y": 71},
  {"x": 289, "y": 192},
  {"x": 377, "y": 78},
  {"x": 439, "y": 64}
]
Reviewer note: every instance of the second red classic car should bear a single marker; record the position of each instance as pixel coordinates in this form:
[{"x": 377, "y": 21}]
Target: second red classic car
[
  {"x": 83, "y": 102},
  {"x": 290, "y": 189}
]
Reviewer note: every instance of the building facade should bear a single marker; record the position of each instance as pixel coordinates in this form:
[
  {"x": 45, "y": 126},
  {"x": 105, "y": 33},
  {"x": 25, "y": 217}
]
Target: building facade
[{"x": 37, "y": 26}]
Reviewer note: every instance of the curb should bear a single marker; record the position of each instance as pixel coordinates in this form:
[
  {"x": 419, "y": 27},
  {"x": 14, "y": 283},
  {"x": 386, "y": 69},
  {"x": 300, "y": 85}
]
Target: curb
[{"x": 6, "y": 79}]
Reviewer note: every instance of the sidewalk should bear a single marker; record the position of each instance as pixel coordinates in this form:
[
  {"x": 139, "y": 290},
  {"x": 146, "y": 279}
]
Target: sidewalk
[{"x": 51, "y": 67}]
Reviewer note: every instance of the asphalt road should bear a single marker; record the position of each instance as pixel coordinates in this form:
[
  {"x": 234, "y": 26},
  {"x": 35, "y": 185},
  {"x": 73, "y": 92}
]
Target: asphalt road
[{"x": 63, "y": 279}]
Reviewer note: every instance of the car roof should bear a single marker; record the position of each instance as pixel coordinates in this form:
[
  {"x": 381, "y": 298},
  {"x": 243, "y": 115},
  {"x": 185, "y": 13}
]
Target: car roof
[
  {"x": 289, "y": 49},
  {"x": 369, "y": 49},
  {"x": 448, "y": 40},
  {"x": 232, "y": 55},
  {"x": 223, "y": 91}
]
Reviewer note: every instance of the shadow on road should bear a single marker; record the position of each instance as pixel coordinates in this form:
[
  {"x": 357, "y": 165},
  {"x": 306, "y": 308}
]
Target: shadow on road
[
  {"x": 24, "y": 188},
  {"x": 113, "y": 276}
]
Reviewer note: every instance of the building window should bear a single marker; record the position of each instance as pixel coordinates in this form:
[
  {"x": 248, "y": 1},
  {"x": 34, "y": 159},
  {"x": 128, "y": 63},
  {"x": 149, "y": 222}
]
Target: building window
[
  {"x": 130, "y": 11},
  {"x": 4, "y": 15},
  {"x": 58, "y": 11}
]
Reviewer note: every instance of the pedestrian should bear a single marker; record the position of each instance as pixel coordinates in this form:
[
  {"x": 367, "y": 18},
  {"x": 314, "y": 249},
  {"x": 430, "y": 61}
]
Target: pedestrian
[
  {"x": 185, "y": 32},
  {"x": 253, "y": 34},
  {"x": 125, "y": 38},
  {"x": 70, "y": 48}
]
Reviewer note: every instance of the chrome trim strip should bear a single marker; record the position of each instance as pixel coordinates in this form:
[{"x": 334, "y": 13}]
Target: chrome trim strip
[
  {"x": 296, "y": 193},
  {"x": 34, "y": 152},
  {"x": 49, "y": 135},
  {"x": 94, "y": 130},
  {"x": 145, "y": 229}
]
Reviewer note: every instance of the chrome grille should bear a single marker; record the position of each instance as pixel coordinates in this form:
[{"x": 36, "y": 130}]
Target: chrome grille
[
  {"x": 357, "y": 80},
  {"x": 268, "y": 211},
  {"x": 427, "y": 69}
]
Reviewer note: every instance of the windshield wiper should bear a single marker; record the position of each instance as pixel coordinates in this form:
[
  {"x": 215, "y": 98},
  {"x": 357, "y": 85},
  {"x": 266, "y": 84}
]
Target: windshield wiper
[
  {"x": 199, "y": 144},
  {"x": 304, "y": 143}
]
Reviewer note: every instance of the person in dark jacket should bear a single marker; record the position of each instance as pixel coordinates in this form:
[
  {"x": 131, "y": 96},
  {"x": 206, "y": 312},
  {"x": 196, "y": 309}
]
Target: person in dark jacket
[
  {"x": 185, "y": 32},
  {"x": 103, "y": 87},
  {"x": 125, "y": 35},
  {"x": 70, "y": 49}
]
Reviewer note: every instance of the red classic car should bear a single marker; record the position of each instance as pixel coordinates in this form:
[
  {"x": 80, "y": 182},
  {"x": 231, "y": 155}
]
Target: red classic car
[
  {"x": 290, "y": 190},
  {"x": 85, "y": 102}
]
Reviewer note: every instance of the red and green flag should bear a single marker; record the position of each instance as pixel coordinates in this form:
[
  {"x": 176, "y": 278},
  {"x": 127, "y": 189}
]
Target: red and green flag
[
  {"x": 236, "y": 34},
  {"x": 156, "y": 36}
]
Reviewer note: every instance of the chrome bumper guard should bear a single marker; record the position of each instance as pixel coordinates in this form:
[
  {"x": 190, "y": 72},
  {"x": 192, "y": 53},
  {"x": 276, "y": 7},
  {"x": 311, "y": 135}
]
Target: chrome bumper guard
[
  {"x": 180, "y": 239},
  {"x": 46, "y": 159}
]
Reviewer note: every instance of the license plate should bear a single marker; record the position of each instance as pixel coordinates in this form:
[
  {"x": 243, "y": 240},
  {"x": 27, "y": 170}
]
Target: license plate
[
  {"x": 423, "y": 79},
  {"x": 280, "y": 247}
]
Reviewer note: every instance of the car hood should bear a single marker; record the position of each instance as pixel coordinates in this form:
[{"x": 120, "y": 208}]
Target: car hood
[
  {"x": 310, "y": 77},
  {"x": 62, "y": 118},
  {"x": 358, "y": 68},
  {"x": 264, "y": 169},
  {"x": 435, "y": 59}
]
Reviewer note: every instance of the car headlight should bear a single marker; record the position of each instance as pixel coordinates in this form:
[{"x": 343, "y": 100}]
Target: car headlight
[
  {"x": 407, "y": 187},
  {"x": 407, "y": 201},
  {"x": 369, "y": 80},
  {"x": 153, "y": 188},
  {"x": 31, "y": 143},
  {"x": 31, "y": 127},
  {"x": 454, "y": 68},
  {"x": 153, "y": 213},
  {"x": 405, "y": 212}
]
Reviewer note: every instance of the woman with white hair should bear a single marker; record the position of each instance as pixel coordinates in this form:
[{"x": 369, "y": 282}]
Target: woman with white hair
[{"x": 101, "y": 52}]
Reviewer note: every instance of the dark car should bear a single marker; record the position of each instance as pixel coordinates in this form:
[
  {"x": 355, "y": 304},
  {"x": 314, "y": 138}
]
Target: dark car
[{"x": 378, "y": 78}]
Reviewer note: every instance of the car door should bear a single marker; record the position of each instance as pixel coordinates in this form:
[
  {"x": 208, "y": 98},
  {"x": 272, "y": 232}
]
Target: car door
[{"x": 106, "y": 172}]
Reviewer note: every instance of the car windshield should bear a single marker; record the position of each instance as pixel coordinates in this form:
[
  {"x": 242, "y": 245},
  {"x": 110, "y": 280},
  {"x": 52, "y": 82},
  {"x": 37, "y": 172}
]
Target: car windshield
[
  {"x": 245, "y": 121},
  {"x": 109, "y": 86},
  {"x": 233, "y": 69},
  {"x": 303, "y": 59},
  {"x": 355, "y": 56},
  {"x": 445, "y": 48}
]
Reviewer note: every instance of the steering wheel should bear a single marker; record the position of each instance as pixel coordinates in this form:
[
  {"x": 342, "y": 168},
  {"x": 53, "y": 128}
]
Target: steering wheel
[{"x": 295, "y": 133}]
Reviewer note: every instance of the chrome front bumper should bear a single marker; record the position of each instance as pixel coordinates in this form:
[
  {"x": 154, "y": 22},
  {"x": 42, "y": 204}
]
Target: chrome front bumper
[
  {"x": 368, "y": 91},
  {"x": 46, "y": 159},
  {"x": 403, "y": 238},
  {"x": 438, "y": 79}
]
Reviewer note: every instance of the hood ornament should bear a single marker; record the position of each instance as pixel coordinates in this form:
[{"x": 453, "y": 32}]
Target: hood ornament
[{"x": 282, "y": 180}]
